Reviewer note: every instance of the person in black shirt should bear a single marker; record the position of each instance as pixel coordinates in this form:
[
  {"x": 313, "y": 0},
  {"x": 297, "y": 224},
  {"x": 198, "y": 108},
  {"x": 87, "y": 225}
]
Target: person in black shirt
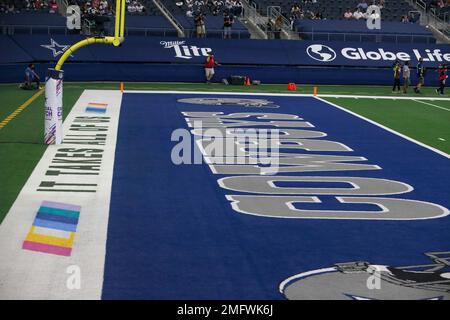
[
  {"x": 420, "y": 75},
  {"x": 227, "y": 24},
  {"x": 397, "y": 72}
]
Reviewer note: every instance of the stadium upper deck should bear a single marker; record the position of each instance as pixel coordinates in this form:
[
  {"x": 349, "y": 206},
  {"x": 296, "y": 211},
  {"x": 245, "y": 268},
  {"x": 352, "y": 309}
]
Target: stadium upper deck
[{"x": 20, "y": 17}]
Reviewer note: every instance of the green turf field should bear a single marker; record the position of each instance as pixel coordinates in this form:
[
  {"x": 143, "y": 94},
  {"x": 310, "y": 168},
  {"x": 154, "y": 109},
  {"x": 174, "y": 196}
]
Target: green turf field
[{"x": 21, "y": 139}]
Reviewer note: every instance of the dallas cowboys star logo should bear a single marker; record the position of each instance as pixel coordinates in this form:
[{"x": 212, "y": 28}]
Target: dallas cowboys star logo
[{"x": 55, "y": 47}]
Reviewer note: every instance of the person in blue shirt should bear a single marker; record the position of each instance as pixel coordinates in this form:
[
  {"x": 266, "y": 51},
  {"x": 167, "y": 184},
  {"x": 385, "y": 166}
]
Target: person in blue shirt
[{"x": 30, "y": 77}]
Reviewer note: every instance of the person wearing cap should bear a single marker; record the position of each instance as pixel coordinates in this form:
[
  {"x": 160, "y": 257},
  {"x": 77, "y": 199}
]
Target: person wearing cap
[
  {"x": 210, "y": 63},
  {"x": 442, "y": 76},
  {"x": 421, "y": 71},
  {"x": 30, "y": 77},
  {"x": 397, "y": 71}
]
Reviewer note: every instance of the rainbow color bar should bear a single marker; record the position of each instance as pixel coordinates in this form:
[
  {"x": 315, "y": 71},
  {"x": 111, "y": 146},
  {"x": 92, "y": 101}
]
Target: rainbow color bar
[
  {"x": 53, "y": 230},
  {"x": 96, "y": 107}
]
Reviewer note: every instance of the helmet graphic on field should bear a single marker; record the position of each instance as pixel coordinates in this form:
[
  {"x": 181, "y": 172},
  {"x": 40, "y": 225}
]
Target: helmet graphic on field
[
  {"x": 366, "y": 281},
  {"x": 321, "y": 53}
]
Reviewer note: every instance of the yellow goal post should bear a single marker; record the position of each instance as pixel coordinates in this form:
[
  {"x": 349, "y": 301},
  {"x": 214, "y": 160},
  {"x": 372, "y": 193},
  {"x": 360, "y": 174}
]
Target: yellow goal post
[{"x": 54, "y": 82}]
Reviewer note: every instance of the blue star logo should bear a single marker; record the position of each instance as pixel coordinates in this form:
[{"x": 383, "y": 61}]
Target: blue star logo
[{"x": 55, "y": 47}]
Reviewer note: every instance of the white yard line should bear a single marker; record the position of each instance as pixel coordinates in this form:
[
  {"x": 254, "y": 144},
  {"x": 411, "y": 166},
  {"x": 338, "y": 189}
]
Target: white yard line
[
  {"x": 432, "y": 105},
  {"x": 292, "y": 95},
  {"x": 442, "y": 153}
]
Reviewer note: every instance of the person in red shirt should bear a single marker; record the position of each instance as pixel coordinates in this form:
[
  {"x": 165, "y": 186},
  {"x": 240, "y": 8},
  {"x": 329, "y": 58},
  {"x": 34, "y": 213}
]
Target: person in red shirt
[
  {"x": 210, "y": 63},
  {"x": 442, "y": 71}
]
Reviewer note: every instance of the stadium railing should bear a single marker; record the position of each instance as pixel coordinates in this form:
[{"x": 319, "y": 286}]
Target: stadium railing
[
  {"x": 366, "y": 37},
  {"x": 135, "y": 31},
  {"x": 34, "y": 29}
]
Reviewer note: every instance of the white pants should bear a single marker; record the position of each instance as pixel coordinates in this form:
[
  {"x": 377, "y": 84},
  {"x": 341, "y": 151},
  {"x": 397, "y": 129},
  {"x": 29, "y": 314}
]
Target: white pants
[{"x": 209, "y": 72}]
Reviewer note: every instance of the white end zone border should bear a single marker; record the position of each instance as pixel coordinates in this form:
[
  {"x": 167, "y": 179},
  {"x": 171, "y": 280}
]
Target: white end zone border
[
  {"x": 320, "y": 97},
  {"x": 28, "y": 274},
  {"x": 442, "y": 153}
]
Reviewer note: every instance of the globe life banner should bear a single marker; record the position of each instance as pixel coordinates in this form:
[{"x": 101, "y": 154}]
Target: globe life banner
[{"x": 53, "y": 107}]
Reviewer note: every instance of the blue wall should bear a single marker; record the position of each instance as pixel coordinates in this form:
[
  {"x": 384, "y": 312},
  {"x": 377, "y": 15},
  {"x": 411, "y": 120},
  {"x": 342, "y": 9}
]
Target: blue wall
[
  {"x": 148, "y": 72},
  {"x": 273, "y": 61}
]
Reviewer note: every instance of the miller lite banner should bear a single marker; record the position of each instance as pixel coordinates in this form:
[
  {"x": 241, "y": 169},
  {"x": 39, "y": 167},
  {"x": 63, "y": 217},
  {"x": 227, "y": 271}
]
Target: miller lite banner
[{"x": 53, "y": 107}]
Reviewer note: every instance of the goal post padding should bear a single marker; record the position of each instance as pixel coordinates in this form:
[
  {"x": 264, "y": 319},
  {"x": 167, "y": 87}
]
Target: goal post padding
[{"x": 53, "y": 107}]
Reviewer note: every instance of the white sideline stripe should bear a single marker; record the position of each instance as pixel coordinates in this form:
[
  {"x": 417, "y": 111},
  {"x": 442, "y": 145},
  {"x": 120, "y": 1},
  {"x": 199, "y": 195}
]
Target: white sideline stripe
[
  {"x": 290, "y": 95},
  {"x": 52, "y": 232},
  {"x": 432, "y": 105},
  {"x": 319, "y": 97},
  {"x": 442, "y": 153},
  {"x": 26, "y": 274}
]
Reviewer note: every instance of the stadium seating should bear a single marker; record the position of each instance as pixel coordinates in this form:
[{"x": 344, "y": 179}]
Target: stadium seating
[
  {"x": 393, "y": 10},
  {"x": 152, "y": 23}
]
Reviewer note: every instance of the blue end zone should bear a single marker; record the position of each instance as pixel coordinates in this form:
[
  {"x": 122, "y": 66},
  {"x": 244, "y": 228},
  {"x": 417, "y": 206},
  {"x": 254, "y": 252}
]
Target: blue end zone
[{"x": 173, "y": 235}]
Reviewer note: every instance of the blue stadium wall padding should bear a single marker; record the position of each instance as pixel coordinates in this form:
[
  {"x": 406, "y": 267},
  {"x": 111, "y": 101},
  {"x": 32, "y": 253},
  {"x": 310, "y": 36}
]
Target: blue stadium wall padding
[
  {"x": 271, "y": 61},
  {"x": 11, "y": 52},
  {"x": 32, "y": 18},
  {"x": 146, "y": 72},
  {"x": 47, "y": 48}
]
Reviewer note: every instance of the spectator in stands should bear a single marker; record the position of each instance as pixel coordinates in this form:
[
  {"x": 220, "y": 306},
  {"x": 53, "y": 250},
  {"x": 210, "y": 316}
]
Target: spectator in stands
[
  {"x": 421, "y": 72},
  {"x": 442, "y": 77},
  {"x": 318, "y": 16},
  {"x": 53, "y": 6},
  {"x": 36, "y": 5},
  {"x": 278, "y": 27},
  {"x": 131, "y": 7},
  {"x": 30, "y": 77},
  {"x": 200, "y": 25},
  {"x": 413, "y": 17},
  {"x": 362, "y": 5},
  {"x": 358, "y": 14},
  {"x": 397, "y": 72},
  {"x": 296, "y": 11},
  {"x": 198, "y": 3},
  {"x": 238, "y": 8},
  {"x": 269, "y": 29},
  {"x": 228, "y": 5},
  {"x": 139, "y": 8},
  {"x": 10, "y": 8},
  {"x": 227, "y": 24},
  {"x": 292, "y": 20},
  {"x": 215, "y": 8},
  {"x": 405, "y": 19},
  {"x": 348, "y": 15},
  {"x": 406, "y": 77}
]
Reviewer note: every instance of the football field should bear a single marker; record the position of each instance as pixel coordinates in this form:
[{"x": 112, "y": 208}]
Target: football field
[{"x": 143, "y": 205}]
